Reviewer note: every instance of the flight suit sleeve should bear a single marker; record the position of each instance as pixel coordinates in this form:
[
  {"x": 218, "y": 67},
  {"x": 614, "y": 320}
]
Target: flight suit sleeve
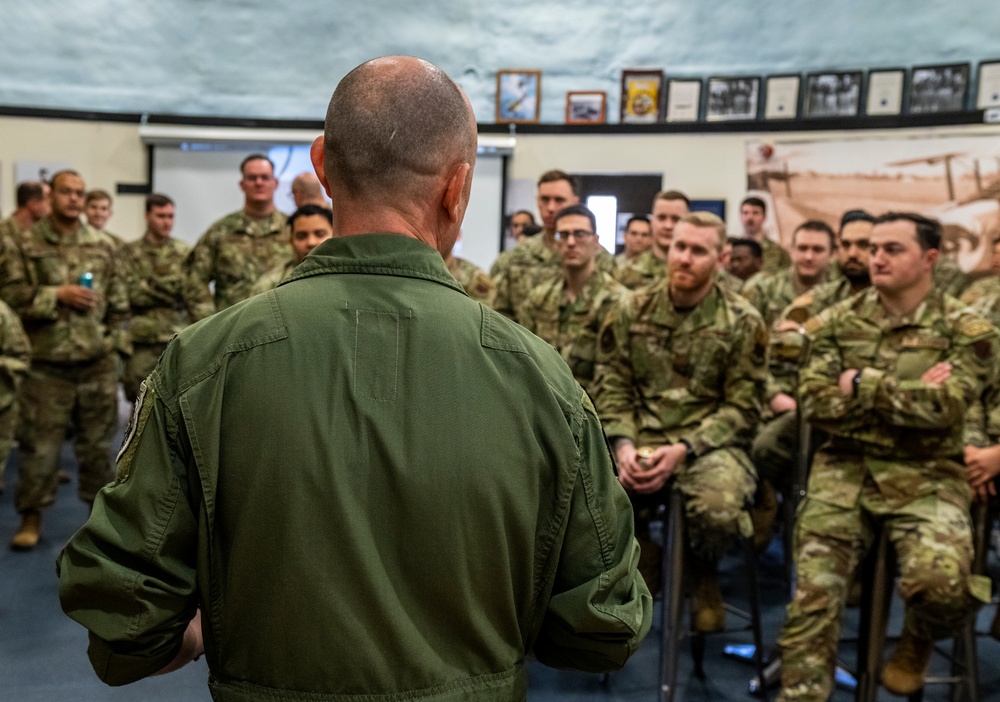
[
  {"x": 200, "y": 272},
  {"x": 600, "y": 607},
  {"x": 615, "y": 393},
  {"x": 129, "y": 574}
]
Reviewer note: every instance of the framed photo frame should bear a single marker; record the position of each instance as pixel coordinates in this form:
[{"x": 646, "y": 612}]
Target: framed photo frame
[
  {"x": 937, "y": 89},
  {"x": 586, "y": 107},
  {"x": 642, "y": 96},
  {"x": 781, "y": 96},
  {"x": 886, "y": 89},
  {"x": 519, "y": 96},
  {"x": 683, "y": 99},
  {"x": 988, "y": 92},
  {"x": 732, "y": 99},
  {"x": 832, "y": 94}
]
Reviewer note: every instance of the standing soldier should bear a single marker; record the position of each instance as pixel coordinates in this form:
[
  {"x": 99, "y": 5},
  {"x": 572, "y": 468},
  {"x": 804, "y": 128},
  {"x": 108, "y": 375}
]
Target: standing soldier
[
  {"x": 32, "y": 205},
  {"x": 681, "y": 370},
  {"x": 310, "y": 225},
  {"x": 15, "y": 355},
  {"x": 238, "y": 248},
  {"x": 569, "y": 311},
  {"x": 474, "y": 280},
  {"x": 753, "y": 213},
  {"x": 890, "y": 375},
  {"x": 97, "y": 209},
  {"x": 154, "y": 270},
  {"x": 67, "y": 288}
]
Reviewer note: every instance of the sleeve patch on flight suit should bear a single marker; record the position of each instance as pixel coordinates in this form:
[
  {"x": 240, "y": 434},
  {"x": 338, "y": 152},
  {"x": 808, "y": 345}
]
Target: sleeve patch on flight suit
[{"x": 135, "y": 421}]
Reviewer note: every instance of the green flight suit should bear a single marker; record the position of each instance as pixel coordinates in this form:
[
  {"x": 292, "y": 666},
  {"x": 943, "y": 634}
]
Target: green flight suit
[
  {"x": 894, "y": 458},
  {"x": 373, "y": 487}
]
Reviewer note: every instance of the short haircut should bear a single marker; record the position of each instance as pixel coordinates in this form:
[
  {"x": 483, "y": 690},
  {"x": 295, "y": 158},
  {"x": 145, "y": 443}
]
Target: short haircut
[
  {"x": 756, "y": 250},
  {"x": 672, "y": 195},
  {"x": 524, "y": 212},
  {"x": 854, "y": 216},
  {"x": 310, "y": 210},
  {"x": 96, "y": 195},
  {"x": 637, "y": 218},
  {"x": 581, "y": 210},
  {"x": 64, "y": 172},
  {"x": 754, "y": 202},
  {"x": 391, "y": 124},
  {"x": 30, "y": 191},
  {"x": 815, "y": 225},
  {"x": 254, "y": 157},
  {"x": 706, "y": 219},
  {"x": 928, "y": 230},
  {"x": 157, "y": 200},
  {"x": 555, "y": 174}
]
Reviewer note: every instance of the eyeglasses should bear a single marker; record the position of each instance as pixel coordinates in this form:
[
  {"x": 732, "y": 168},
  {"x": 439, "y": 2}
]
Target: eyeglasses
[{"x": 578, "y": 234}]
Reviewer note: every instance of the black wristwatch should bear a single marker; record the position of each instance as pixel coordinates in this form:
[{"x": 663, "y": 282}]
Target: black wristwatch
[
  {"x": 689, "y": 456},
  {"x": 856, "y": 383}
]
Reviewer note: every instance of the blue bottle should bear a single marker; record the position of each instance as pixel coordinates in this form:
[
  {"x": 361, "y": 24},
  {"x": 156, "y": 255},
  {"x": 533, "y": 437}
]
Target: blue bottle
[{"x": 87, "y": 280}]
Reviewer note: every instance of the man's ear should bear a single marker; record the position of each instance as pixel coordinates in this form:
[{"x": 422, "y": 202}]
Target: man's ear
[
  {"x": 317, "y": 155},
  {"x": 933, "y": 256},
  {"x": 451, "y": 201}
]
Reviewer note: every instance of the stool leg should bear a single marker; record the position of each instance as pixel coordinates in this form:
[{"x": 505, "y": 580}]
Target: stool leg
[
  {"x": 673, "y": 596},
  {"x": 876, "y": 591},
  {"x": 750, "y": 563}
]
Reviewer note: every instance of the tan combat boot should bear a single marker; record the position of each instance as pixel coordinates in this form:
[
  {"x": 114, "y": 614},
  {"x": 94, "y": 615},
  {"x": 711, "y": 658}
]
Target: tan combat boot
[
  {"x": 27, "y": 536},
  {"x": 904, "y": 673},
  {"x": 763, "y": 514},
  {"x": 707, "y": 610}
]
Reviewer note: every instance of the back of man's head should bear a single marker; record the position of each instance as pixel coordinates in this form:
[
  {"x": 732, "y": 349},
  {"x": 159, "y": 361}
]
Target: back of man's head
[
  {"x": 29, "y": 191},
  {"x": 392, "y": 123}
]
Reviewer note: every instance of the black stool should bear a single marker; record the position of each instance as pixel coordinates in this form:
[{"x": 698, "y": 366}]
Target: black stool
[
  {"x": 673, "y": 631},
  {"x": 877, "y": 575}
]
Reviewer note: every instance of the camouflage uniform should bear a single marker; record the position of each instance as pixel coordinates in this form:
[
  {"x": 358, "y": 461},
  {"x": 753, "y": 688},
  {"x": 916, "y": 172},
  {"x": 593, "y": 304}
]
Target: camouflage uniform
[
  {"x": 155, "y": 277},
  {"x": 949, "y": 278},
  {"x": 73, "y": 376},
  {"x": 771, "y": 293},
  {"x": 10, "y": 229},
  {"x": 15, "y": 355},
  {"x": 645, "y": 269},
  {"x": 894, "y": 457},
  {"x": 270, "y": 280},
  {"x": 664, "y": 376},
  {"x": 774, "y": 257},
  {"x": 571, "y": 328},
  {"x": 730, "y": 282},
  {"x": 234, "y": 252},
  {"x": 479, "y": 286},
  {"x": 983, "y": 296}
]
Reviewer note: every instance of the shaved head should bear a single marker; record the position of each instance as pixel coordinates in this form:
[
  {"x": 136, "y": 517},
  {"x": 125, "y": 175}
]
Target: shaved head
[{"x": 392, "y": 123}]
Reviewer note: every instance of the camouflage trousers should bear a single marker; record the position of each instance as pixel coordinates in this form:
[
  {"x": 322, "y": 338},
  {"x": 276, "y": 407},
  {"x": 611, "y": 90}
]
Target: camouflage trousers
[
  {"x": 138, "y": 366},
  {"x": 54, "y": 398},
  {"x": 932, "y": 538},
  {"x": 716, "y": 490},
  {"x": 8, "y": 428}
]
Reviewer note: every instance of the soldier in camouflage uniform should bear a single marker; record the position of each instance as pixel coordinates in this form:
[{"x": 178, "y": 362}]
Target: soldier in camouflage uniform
[
  {"x": 568, "y": 312},
  {"x": 890, "y": 375},
  {"x": 983, "y": 296},
  {"x": 745, "y": 259},
  {"x": 753, "y": 212},
  {"x": 15, "y": 355},
  {"x": 473, "y": 279},
  {"x": 238, "y": 248},
  {"x": 638, "y": 237},
  {"x": 651, "y": 265},
  {"x": 97, "y": 209},
  {"x": 66, "y": 285},
  {"x": 536, "y": 261},
  {"x": 310, "y": 225},
  {"x": 154, "y": 272},
  {"x": 32, "y": 204},
  {"x": 681, "y": 371}
]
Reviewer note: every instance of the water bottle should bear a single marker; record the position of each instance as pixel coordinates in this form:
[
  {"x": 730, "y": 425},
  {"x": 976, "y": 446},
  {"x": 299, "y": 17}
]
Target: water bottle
[{"x": 87, "y": 280}]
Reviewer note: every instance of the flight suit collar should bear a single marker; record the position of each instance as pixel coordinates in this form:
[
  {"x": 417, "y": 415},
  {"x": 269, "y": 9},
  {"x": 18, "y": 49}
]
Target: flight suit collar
[{"x": 376, "y": 254}]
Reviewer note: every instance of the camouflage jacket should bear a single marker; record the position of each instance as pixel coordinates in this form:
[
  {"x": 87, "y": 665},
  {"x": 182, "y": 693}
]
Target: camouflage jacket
[
  {"x": 775, "y": 257},
  {"x": 479, "y": 286},
  {"x": 771, "y": 293},
  {"x": 730, "y": 282},
  {"x": 664, "y": 375},
  {"x": 46, "y": 260},
  {"x": 271, "y": 279},
  {"x": 234, "y": 252},
  {"x": 645, "y": 269},
  {"x": 9, "y": 228},
  {"x": 571, "y": 328},
  {"x": 15, "y": 355},
  {"x": 155, "y": 277},
  {"x": 983, "y": 297},
  {"x": 893, "y": 414},
  {"x": 949, "y": 278}
]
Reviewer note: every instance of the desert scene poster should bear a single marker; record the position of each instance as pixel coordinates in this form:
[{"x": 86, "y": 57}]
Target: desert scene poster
[{"x": 953, "y": 179}]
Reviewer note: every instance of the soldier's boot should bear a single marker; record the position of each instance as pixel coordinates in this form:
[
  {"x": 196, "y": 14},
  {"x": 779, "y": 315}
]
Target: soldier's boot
[
  {"x": 27, "y": 536},
  {"x": 707, "y": 610},
  {"x": 763, "y": 514},
  {"x": 904, "y": 672},
  {"x": 651, "y": 564}
]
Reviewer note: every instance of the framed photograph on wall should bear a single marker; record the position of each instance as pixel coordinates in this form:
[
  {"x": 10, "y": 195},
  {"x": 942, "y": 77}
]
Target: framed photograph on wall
[
  {"x": 988, "y": 94},
  {"x": 642, "y": 96},
  {"x": 732, "y": 99},
  {"x": 781, "y": 97},
  {"x": 938, "y": 88},
  {"x": 586, "y": 107},
  {"x": 833, "y": 94},
  {"x": 683, "y": 99},
  {"x": 519, "y": 96},
  {"x": 885, "y": 91}
]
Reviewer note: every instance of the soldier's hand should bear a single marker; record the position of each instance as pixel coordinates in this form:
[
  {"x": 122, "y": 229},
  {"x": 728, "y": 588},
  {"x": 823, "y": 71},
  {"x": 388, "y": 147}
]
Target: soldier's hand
[
  {"x": 937, "y": 374},
  {"x": 782, "y": 402},
  {"x": 628, "y": 463},
  {"x": 662, "y": 464},
  {"x": 982, "y": 465},
  {"x": 846, "y": 381},
  {"x": 76, "y": 296},
  {"x": 192, "y": 646}
]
